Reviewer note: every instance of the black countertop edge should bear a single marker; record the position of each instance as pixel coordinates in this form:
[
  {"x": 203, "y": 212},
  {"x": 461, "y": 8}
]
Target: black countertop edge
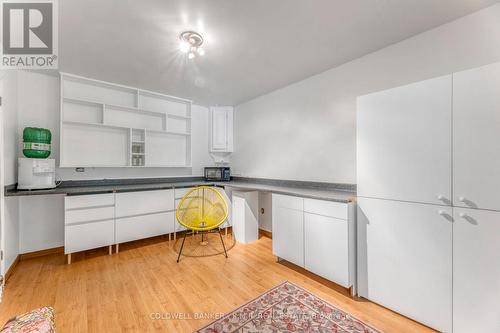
[
  {"x": 128, "y": 181},
  {"x": 82, "y": 187},
  {"x": 299, "y": 184}
]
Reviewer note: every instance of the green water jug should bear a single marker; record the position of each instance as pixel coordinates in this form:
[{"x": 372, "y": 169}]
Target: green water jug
[{"x": 36, "y": 142}]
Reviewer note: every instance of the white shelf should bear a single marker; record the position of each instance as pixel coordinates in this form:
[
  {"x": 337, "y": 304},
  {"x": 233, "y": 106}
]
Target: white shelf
[
  {"x": 118, "y": 117},
  {"x": 81, "y": 123},
  {"x": 124, "y": 108}
]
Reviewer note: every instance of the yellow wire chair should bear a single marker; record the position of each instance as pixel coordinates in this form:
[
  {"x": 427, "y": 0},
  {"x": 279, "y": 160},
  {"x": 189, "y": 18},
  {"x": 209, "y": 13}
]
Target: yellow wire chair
[{"x": 203, "y": 209}]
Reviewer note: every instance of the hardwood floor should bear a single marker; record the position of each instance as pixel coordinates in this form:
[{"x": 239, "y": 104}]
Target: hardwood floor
[{"x": 126, "y": 292}]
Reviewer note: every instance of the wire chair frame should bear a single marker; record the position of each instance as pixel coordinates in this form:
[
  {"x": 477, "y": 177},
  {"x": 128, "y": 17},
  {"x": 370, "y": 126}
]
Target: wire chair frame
[{"x": 202, "y": 209}]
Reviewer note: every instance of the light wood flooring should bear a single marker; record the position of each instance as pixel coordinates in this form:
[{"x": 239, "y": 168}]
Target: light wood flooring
[{"x": 122, "y": 292}]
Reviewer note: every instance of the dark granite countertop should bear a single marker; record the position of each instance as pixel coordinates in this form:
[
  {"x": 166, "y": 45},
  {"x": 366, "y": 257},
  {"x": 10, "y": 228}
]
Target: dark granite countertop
[{"x": 323, "y": 191}]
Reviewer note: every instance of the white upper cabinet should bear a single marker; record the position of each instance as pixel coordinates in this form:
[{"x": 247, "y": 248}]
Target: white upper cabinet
[
  {"x": 476, "y": 271},
  {"x": 221, "y": 129},
  {"x": 404, "y": 142},
  {"x": 476, "y": 133}
]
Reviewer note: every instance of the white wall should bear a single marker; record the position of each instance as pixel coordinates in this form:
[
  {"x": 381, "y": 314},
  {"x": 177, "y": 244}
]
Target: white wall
[
  {"x": 307, "y": 130},
  {"x": 9, "y": 208}
]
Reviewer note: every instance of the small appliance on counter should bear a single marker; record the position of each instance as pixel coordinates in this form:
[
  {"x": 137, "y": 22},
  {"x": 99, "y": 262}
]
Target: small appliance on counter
[
  {"x": 218, "y": 174},
  {"x": 36, "y": 173}
]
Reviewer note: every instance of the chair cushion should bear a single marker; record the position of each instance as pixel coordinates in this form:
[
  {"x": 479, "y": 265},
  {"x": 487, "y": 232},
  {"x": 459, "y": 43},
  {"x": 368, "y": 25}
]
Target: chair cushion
[{"x": 39, "y": 321}]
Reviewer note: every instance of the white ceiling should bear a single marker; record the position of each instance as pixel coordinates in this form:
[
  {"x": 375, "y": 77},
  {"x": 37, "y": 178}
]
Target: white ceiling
[{"x": 252, "y": 46}]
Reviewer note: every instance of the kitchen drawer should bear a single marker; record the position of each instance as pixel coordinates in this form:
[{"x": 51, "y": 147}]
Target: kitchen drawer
[
  {"x": 89, "y": 214},
  {"x": 84, "y": 201},
  {"x": 181, "y": 192},
  {"x": 144, "y": 202},
  {"x": 87, "y": 236},
  {"x": 138, "y": 227},
  {"x": 286, "y": 201},
  {"x": 326, "y": 208}
]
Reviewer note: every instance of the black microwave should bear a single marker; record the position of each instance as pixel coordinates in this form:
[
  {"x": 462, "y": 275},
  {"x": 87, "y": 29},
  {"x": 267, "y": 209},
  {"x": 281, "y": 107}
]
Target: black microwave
[{"x": 218, "y": 173}]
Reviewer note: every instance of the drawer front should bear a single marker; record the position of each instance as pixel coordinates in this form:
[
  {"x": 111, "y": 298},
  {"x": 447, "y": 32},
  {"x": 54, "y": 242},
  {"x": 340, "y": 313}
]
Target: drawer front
[
  {"x": 287, "y": 201},
  {"x": 84, "y": 201},
  {"x": 88, "y": 215},
  {"x": 145, "y": 202},
  {"x": 138, "y": 227},
  {"x": 181, "y": 192},
  {"x": 87, "y": 236},
  {"x": 326, "y": 208}
]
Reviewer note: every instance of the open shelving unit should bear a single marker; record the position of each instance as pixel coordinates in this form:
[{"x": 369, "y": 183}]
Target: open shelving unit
[{"x": 110, "y": 125}]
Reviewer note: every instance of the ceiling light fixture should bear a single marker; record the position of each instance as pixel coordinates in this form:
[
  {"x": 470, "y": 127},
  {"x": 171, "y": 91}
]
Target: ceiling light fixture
[{"x": 190, "y": 43}]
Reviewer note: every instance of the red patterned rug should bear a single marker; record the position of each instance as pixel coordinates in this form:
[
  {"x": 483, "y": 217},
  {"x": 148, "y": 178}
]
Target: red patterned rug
[{"x": 287, "y": 308}]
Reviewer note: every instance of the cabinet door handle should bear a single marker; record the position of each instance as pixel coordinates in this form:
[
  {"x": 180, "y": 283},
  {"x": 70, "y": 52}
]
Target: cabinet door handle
[{"x": 446, "y": 215}]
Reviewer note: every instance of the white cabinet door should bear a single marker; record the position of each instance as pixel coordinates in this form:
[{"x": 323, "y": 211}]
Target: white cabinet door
[
  {"x": 221, "y": 131},
  {"x": 326, "y": 247},
  {"x": 476, "y": 271},
  {"x": 288, "y": 232},
  {"x": 405, "y": 259},
  {"x": 404, "y": 143},
  {"x": 476, "y": 138}
]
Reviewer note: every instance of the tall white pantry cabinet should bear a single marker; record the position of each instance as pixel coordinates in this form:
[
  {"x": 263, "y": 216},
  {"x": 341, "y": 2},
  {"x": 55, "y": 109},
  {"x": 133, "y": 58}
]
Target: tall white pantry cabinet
[{"x": 429, "y": 200}]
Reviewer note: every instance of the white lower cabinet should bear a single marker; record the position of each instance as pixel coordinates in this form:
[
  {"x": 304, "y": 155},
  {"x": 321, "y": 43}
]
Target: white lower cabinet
[
  {"x": 317, "y": 235},
  {"x": 89, "y": 222},
  {"x": 138, "y": 227},
  {"x": 81, "y": 237},
  {"x": 288, "y": 234},
  {"x": 144, "y": 214},
  {"x": 99, "y": 220},
  {"x": 405, "y": 259},
  {"x": 326, "y": 247},
  {"x": 476, "y": 271}
]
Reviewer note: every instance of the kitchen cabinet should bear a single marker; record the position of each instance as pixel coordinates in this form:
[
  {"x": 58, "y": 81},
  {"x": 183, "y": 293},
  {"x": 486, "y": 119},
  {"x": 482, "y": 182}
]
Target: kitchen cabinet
[
  {"x": 144, "y": 214},
  {"x": 288, "y": 228},
  {"x": 476, "y": 271},
  {"x": 221, "y": 129},
  {"x": 89, "y": 222},
  {"x": 326, "y": 247},
  {"x": 404, "y": 143},
  {"x": 405, "y": 259},
  {"x": 476, "y": 144},
  {"x": 316, "y": 234}
]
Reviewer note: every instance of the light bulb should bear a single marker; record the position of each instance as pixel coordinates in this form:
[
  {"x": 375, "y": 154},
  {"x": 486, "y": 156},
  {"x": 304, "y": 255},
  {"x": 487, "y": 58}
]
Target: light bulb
[
  {"x": 201, "y": 51},
  {"x": 184, "y": 47},
  {"x": 191, "y": 55}
]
